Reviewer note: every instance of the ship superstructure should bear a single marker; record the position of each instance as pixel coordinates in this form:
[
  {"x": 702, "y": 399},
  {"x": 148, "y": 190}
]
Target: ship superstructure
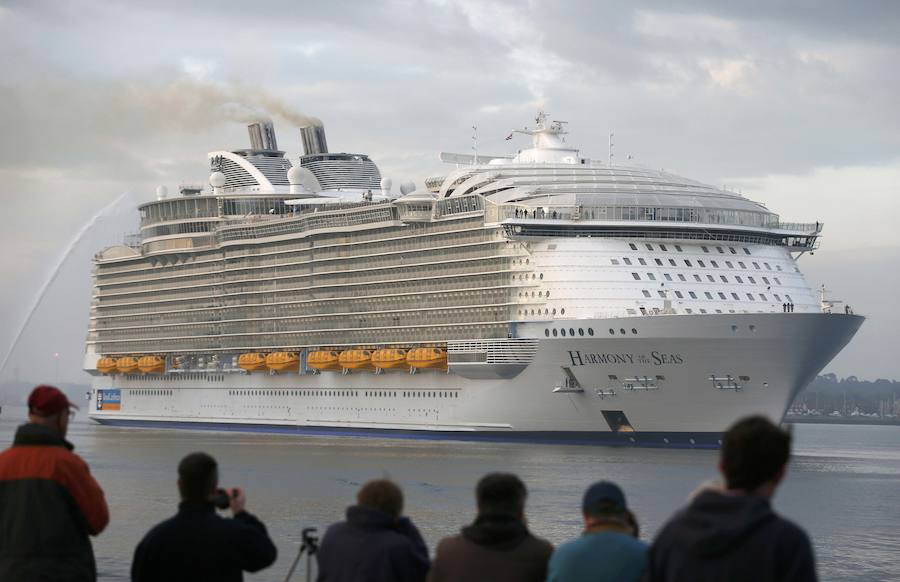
[{"x": 539, "y": 296}]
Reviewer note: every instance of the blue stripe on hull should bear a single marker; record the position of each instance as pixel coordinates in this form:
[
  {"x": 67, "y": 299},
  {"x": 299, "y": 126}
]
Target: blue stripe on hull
[{"x": 700, "y": 440}]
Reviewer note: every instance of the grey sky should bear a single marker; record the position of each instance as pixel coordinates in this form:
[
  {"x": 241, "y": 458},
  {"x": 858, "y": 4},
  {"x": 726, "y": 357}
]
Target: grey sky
[{"x": 795, "y": 105}]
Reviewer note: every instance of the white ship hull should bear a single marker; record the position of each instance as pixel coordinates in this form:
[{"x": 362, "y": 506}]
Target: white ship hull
[{"x": 679, "y": 381}]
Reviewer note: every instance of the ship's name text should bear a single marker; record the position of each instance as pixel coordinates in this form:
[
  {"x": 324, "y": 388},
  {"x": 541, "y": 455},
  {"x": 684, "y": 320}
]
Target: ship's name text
[{"x": 655, "y": 358}]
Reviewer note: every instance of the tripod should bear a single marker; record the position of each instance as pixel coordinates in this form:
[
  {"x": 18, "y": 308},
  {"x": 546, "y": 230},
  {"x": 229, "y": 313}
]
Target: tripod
[{"x": 309, "y": 543}]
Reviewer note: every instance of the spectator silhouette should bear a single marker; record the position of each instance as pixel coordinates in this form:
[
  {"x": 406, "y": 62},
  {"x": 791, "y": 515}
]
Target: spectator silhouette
[
  {"x": 197, "y": 544},
  {"x": 607, "y": 550},
  {"x": 375, "y": 543},
  {"x": 498, "y": 546},
  {"x": 733, "y": 534}
]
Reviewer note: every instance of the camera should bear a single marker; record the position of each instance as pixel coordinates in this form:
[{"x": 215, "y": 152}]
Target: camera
[{"x": 222, "y": 498}]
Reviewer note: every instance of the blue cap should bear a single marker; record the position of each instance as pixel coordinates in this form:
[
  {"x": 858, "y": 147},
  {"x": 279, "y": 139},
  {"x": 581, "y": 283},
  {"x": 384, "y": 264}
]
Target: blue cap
[{"x": 603, "y": 492}]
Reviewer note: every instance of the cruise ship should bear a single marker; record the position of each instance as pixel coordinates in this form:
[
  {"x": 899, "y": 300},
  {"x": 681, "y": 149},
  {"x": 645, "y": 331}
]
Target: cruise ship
[{"x": 543, "y": 296}]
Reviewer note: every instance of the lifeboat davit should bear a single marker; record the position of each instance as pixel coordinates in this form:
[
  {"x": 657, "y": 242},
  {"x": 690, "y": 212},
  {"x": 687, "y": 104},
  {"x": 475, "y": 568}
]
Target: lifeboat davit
[
  {"x": 427, "y": 358},
  {"x": 323, "y": 360},
  {"x": 283, "y": 361},
  {"x": 388, "y": 358},
  {"x": 127, "y": 365},
  {"x": 252, "y": 361},
  {"x": 355, "y": 359},
  {"x": 106, "y": 365},
  {"x": 152, "y": 365}
]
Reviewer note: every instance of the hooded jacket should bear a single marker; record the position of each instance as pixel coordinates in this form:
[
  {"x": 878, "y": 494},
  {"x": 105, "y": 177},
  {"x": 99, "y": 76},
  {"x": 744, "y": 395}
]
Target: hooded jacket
[
  {"x": 49, "y": 505},
  {"x": 372, "y": 546},
  {"x": 496, "y": 548},
  {"x": 731, "y": 537}
]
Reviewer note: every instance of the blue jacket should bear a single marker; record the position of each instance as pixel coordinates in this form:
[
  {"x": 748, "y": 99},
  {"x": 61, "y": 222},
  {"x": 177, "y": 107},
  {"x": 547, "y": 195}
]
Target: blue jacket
[
  {"x": 198, "y": 544},
  {"x": 730, "y": 537},
  {"x": 372, "y": 546}
]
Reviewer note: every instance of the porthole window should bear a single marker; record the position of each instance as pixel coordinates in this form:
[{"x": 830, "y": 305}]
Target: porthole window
[
  {"x": 634, "y": 331},
  {"x": 581, "y": 331},
  {"x": 542, "y": 276},
  {"x": 612, "y": 331},
  {"x": 590, "y": 331},
  {"x": 554, "y": 332},
  {"x": 562, "y": 332},
  {"x": 547, "y": 332},
  {"x": 572, "y": 331},
  {"x": 622, "y": 331},
  {"x": 562, "y": 311}
]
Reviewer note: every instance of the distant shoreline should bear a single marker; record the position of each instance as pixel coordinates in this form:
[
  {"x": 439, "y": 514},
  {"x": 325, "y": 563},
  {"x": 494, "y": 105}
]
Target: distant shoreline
[{"x": 842, "y": 420}]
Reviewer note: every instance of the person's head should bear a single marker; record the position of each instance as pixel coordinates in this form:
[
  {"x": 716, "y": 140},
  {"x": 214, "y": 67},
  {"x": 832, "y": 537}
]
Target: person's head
[
  {"x": 754, "y": 456},
  {"x": 383, "y": 495},
  {"x": 198, "y": 477},
  {"x": 604, "y": 504},
  {"x": 48, "y": 406},
  {"x": 501, "y": 494}
]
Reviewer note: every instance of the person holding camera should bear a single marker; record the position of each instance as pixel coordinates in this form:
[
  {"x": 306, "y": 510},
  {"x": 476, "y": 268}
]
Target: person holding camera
[
  {"x": 197, "y": 543},
  {"x": 376, "y": 543}
]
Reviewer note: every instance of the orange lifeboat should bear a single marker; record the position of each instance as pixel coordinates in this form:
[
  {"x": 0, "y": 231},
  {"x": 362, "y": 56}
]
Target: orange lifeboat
[
  {"x": 390, "y": 358},
  {"x": 106, "y": 365},
  {"x": 283, "y": 361},
  {"x": 252, "y": 361},
  {"x": 323, "y": 360},
  {"x": 427, "y": 358},
  {"x": 152, "y": 365},
  {"x": 127, "y": 365},
  {"x": 355, "y": 359}
]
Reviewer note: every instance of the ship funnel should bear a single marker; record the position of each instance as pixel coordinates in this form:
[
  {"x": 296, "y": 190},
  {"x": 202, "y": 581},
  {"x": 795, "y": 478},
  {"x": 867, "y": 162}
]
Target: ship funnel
[
  {"x": 313, "y": 138},
  {"x": 262, "y": 136}
]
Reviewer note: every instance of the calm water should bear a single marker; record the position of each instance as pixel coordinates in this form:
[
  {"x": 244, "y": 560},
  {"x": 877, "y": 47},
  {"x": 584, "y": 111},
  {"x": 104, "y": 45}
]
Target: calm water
[{"x": 843, "y": 485}]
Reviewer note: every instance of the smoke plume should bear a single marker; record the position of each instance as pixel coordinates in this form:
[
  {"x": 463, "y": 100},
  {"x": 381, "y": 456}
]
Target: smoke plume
[{"x": 194, "y": 105}]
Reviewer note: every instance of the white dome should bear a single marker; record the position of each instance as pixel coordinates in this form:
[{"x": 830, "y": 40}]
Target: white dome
[
  {"x": 386, "y": 184},
  {"x": 217, "y": 180},
  {"x": 161, "y": 192},
  {"x": 407, "y": 187},
  {"x": 295, "y": 175}
]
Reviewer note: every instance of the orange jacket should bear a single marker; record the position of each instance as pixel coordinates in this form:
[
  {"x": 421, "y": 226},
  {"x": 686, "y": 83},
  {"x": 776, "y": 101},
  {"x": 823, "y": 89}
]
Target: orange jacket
[{"x": 49, "y": 504}]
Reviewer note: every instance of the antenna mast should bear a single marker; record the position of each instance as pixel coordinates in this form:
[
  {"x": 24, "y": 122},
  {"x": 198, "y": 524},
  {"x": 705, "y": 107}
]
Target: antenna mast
[
  {"x": 611, "y": 144},
  {"x": 475, "y": 144}
]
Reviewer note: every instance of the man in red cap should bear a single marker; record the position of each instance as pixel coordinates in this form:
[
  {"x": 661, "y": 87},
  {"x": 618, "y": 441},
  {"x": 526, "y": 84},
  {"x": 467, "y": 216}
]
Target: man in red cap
[{"x": 49, "y": 502}]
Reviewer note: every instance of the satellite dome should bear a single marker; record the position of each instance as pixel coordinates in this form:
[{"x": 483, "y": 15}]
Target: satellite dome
[
  {"x": 161, "y": 192},
  {"x": 407, "y": 187},
  {"x": 217, "y": 180},
  {"x": 295, "y": 175},
  {"x": 386, "y": 184}
]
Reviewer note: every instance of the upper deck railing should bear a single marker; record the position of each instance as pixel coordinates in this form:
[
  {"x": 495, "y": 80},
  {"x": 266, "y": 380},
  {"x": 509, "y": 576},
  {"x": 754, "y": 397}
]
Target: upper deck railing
[{"x": 690, "y": 215}]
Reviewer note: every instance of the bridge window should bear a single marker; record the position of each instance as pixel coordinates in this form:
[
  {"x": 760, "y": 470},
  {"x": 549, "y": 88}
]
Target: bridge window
[
  {"x": 692, "y": 294},
  {"x": 688, "y": 263},
  {"x": 646, "y": 293},
  {"x": 705, "y": 249},
  {"x": 701, "y": 263},
  {"x": 679, "y": 295},
  {"x": 651, "y": 276},
  {"x": 626, "y": 260},
  {"x": 649, "y": 246},
  {"x": 735, "y": 295},
  {"x": 642, "y": 261},
  {"x": 633, "y": 246},
  {"x": 663, "y": 248},
  {"x": 746, "y": 250},
  {"x": 636, "y": 276}
]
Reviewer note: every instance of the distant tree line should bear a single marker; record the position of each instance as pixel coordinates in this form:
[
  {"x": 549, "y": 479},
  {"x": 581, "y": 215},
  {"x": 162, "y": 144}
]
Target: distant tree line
[{"x": 828, "y": 393}]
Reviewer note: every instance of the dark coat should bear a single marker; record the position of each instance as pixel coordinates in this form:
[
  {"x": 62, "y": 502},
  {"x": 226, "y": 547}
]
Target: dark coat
[
  {"x": 372, "y": 546},
  {"x": 49, "y": 505},
  {"x": 730, "y": 537},
  {"x": 495, "y": 548},
  {"x": 198, "y": 544}
]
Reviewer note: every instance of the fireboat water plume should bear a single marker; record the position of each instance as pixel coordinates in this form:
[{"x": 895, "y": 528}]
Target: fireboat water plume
[{"x": 54, "y": 273}]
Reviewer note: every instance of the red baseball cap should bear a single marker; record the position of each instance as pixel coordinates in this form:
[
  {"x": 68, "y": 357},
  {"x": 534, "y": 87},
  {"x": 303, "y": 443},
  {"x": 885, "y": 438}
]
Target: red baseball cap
[{"x": 48, "y": 400}]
